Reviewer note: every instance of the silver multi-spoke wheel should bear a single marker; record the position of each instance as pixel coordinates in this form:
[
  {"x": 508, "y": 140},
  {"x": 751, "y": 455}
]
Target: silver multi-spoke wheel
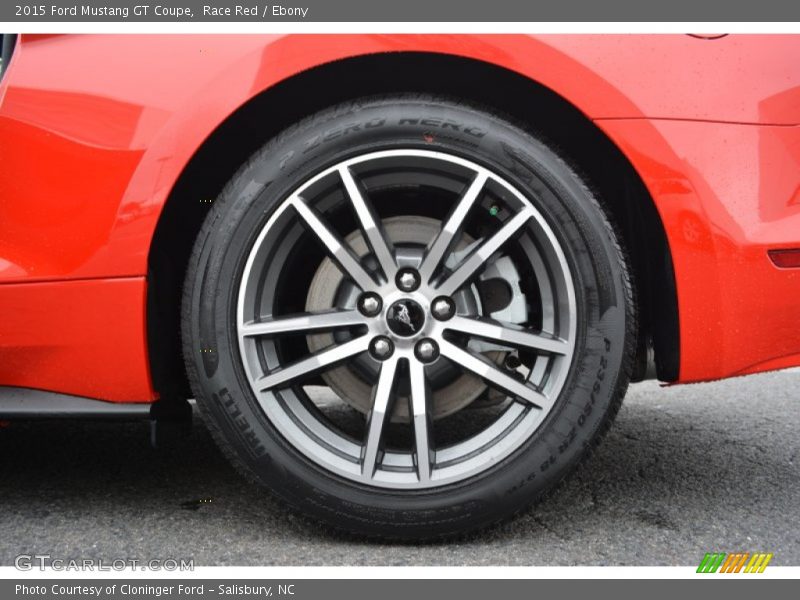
[{"x": 409, "y": 318}]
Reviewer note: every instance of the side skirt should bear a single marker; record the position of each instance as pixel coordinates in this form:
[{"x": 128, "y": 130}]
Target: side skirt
[{"x": 25, "y": 403}]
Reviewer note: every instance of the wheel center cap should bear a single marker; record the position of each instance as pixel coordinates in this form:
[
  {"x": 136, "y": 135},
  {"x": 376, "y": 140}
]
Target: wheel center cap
[{"x": 405, "y": 318}]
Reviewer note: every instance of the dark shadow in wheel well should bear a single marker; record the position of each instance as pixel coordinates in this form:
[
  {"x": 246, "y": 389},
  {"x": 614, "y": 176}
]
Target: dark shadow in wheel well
[{"x": 528, "y": 103}]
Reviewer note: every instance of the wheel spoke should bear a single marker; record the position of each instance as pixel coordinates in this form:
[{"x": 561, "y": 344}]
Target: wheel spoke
[
  {"x": 313, "y": 364},
  {"x": 447, "y": 236},
  {"x": 478, "y": 258},
  {"x": 507, "y": 333},
  {"x": 370, "y": 224},
  {"x": 382, "y": 404},
  {"x": 397, "y": 317},
  {"x": 487, "y": 371},
  {"x": 304, "y": 322},
  {"x": 421, "y": 411},
  {"x": 339, "y": 251}
]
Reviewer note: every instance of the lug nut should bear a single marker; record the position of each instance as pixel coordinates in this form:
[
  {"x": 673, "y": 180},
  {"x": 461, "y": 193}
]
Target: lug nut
[
  {"x": 426, "y": 350},
  {"x": 369, "y": 304},
  {"x": 512, "y": 362},
  {"x": 381, "y": 347},
  {"x": 443, "y": 308},
  {"x": 407, "y": 279}
]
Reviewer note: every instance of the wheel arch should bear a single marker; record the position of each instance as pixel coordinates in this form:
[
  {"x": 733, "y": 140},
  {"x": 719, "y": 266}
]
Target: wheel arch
[{"x": 577, "y": 138}]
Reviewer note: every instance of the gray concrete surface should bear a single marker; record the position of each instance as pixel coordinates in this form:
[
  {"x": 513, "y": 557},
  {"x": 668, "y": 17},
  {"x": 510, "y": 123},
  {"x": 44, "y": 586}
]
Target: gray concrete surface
[{"x": 685, "y": 470}]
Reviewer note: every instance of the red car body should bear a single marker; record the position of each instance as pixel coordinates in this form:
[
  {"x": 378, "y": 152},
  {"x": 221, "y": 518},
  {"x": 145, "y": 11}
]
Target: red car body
[{"x": 96, "y": 130}]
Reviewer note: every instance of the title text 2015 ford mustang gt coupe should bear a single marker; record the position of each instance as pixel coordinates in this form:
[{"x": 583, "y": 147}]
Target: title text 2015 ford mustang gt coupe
[{"x": 407, "y": 278}]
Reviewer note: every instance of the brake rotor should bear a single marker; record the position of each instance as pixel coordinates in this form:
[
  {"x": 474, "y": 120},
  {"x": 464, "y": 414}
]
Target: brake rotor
[{"x": 410, "y": 232}]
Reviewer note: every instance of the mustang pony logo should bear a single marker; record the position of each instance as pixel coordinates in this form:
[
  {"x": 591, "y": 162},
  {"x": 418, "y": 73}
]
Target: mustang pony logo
[{"x": 404, "y": 316}]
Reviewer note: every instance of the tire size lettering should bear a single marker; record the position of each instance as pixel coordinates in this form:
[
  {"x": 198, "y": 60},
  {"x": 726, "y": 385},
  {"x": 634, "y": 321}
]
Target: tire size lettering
[
  {"x": 548, "y": 463},
  {"x": 598, "y": 385},
  {"x": 562, "y": 447}
]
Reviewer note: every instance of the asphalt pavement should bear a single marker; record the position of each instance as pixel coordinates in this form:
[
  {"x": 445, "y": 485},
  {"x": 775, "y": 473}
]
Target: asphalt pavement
[{"x": 685, "y": 470}]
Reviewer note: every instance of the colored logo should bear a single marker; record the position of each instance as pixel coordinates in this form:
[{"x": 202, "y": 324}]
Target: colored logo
[{"x": 738, "y": 562}]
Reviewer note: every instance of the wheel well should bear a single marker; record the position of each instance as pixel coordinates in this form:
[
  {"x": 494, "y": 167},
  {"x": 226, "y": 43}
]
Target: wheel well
[{"x": 576, "y": 137}]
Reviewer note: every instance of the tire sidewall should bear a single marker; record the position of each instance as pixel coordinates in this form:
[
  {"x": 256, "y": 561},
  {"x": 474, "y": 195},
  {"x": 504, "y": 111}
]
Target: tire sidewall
[{"x": 597, "y": 377}]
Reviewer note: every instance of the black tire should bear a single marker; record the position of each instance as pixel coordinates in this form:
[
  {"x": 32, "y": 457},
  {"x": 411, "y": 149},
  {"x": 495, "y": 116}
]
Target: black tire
[{"x": 597, "y": 379}]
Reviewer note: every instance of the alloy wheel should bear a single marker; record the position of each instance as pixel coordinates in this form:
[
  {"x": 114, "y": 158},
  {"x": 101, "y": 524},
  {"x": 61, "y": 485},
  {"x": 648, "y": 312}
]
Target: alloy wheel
[{"x": 406, "y": 319}]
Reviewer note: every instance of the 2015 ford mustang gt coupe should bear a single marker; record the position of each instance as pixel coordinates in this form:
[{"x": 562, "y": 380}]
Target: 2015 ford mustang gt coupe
[{"x": 406, "y": 278}]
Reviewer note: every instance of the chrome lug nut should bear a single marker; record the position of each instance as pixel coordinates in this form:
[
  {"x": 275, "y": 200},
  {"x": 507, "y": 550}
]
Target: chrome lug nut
[
  {"x": 407, "y": 279},
  {"x": 370, "y": 304},
  {"x": 426, "y": 351},
  {"x": 381, "y": 347},
  {"x": 443, "y": 308}
]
